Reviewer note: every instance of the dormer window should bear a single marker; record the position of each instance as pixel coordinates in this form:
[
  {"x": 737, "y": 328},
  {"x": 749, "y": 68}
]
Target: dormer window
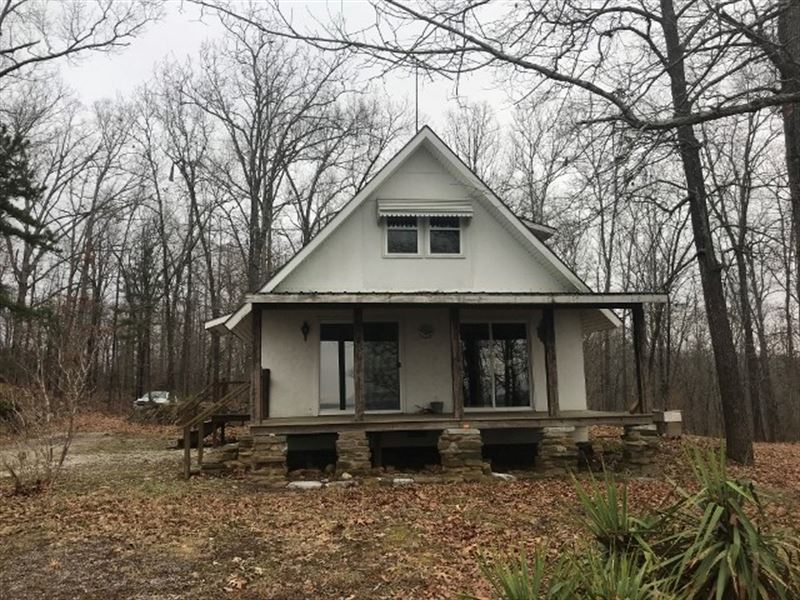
[
  {"x": 402, "y": 235},
  {"x": 444, "y": 235}
]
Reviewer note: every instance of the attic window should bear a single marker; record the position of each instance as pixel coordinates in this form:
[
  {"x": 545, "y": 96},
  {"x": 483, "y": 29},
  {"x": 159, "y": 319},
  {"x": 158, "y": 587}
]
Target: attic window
[
  {"x": 402, "y": 235},
  {"x": 445, "y": 235}
]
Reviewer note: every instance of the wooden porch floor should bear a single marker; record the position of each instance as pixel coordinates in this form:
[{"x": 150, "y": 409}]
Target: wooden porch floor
[{"x": 416, "y": 422}]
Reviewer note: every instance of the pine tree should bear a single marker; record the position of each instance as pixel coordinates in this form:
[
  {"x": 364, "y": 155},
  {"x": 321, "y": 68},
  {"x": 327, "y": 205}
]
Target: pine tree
[{"x": 18, "y": 190}]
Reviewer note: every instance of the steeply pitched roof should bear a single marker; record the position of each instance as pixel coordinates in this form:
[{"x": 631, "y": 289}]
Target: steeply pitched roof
[{"x": 426, "y": 136}]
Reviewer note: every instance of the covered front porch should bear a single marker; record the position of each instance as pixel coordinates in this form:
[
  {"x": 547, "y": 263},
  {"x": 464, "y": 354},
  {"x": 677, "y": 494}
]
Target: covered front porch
[
  {"x": 360, "y": 378},
  {"x": 436, "y": 359}
]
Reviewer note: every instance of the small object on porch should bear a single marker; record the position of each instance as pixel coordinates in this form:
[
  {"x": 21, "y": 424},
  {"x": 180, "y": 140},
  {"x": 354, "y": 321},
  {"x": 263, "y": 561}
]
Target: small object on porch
[
  {"x": 669, "y": 423},
  {"x": 437, "y": 407},
  {"x": 424, "y": 410}
]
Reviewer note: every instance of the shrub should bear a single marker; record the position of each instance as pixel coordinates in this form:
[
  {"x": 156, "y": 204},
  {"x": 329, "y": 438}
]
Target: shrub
[{"x": 713, "y": 543}]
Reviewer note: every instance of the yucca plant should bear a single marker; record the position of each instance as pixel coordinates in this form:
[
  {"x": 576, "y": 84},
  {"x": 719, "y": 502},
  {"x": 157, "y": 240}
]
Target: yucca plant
[
  {"x": 517, "y": 578},
  {"x": 617, "y": 577},
  {"x": 608, "y": 518},
  {"x": 711, "y": 544},
  {"x": 719, "y": 549}
]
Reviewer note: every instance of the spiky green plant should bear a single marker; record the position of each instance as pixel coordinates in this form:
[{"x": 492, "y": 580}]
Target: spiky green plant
[
  {"x": 721, "y": 549},
  {"x": 614, "y": 576},
  {"x": 607, "y": 516},
  {"x": 517, "y": 578},
  {"x": 710, "y": 544}
]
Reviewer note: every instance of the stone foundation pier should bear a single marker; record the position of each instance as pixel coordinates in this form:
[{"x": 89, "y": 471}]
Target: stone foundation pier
[
  {"x": 460, "y": 452},
  {"x": 353, "y": 455},
  {"x": 638, "y": 453},
  {"x": 556, "y": 452},
  {"x": 267, "y": 458}
]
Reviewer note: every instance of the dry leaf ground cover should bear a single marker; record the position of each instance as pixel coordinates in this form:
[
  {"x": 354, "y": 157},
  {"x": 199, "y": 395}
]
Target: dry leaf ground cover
[{"x": 123, "y": 525}]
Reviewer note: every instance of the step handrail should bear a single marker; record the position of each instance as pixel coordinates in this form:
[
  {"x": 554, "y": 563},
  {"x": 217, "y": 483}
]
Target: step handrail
[
  {"x": 209, "y": 411},
  {"x": 199, "y": 419}
]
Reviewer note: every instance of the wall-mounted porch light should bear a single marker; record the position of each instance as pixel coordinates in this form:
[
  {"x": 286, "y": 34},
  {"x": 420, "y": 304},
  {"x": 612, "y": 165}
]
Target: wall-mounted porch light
[{"x": 305, "y": 328}]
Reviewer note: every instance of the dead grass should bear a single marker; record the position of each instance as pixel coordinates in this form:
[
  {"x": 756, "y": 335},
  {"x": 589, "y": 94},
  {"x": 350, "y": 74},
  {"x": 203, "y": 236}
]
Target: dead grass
[{"x": 125, "y": 526}]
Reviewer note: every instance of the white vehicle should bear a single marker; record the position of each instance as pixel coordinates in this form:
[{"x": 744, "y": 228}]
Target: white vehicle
[{"x": 156, "y": 397}]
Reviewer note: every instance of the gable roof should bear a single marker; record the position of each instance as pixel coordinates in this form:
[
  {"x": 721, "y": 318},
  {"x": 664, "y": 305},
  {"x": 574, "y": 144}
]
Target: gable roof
[
  {"x": 426, "y": 136},
  {"x": 530, "y": 234}
]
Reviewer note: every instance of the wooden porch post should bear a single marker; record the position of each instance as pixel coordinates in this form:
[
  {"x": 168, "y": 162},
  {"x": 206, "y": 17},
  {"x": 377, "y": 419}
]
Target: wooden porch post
[
  {"x": 255, "y": 374},
  {"x": 457, "y": 363},
  {"x": 358, "y": 361},
  {"x": 547, "y": 333},
  {"x": 637, "y": 313}
]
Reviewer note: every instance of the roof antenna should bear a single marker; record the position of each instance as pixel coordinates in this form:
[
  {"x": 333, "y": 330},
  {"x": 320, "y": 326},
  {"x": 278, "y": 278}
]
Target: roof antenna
[{"x": 416, "y": 97}]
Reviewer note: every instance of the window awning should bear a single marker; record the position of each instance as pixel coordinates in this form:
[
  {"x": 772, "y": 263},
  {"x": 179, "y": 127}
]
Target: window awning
[{"x": 392, "y": 207}]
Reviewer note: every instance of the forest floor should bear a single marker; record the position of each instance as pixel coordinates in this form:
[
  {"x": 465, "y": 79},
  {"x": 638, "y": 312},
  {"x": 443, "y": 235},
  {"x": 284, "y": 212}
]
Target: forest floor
[{"x": 122, "y": 524}]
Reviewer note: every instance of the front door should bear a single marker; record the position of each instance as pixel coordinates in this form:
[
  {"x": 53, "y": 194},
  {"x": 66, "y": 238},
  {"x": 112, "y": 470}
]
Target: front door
[{"x": 381, "y": 366}]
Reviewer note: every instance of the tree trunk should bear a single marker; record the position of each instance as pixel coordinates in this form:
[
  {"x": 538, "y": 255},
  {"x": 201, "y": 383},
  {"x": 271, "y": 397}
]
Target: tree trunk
[
  {"x": 736, "y": 412},
  {"x": 751, "y": 358}
]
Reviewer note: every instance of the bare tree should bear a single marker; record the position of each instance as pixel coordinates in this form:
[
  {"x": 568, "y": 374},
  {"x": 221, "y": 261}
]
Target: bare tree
[
  {"x": 580, "y": 48},
  {"x": 35, "y": 32},
  {"x": 474, "y": 134}
]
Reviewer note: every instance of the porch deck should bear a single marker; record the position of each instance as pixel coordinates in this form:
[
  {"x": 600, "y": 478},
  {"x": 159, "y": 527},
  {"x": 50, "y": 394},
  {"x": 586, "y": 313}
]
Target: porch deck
[{"x": 417, "y": 422}]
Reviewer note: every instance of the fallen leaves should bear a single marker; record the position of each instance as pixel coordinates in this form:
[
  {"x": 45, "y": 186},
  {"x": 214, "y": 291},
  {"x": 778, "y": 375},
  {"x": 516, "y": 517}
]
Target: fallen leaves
[{"x": 226, "y": 538}]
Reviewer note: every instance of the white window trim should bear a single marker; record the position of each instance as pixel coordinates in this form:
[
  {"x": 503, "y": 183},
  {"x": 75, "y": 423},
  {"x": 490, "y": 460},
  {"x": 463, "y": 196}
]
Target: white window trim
[
  {"x": 420, "y": 241},
  {"x": 423, "y": 241},
  {"x": 525, "y": 408},
  {"x": 460, "y": 229}
]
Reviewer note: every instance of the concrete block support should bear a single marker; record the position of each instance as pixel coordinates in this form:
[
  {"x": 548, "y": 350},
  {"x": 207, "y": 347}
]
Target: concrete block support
[
  {"x": 557, "y": 453},
  {"x": 353, "y": 453},
  {"x": 460, "y": 452}
]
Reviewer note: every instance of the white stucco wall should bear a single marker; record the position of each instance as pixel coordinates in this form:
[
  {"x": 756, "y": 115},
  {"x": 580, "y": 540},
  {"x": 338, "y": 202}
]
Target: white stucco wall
[
  {"x": 352, "y": 258},
  {"x": 425, "y": 374},
  {"x": 569, "y": 357}
]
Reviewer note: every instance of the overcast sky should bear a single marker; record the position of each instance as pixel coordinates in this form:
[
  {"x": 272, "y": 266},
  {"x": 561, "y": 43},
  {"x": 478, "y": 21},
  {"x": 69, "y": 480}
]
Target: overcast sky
[{"x": 181, "y": 33}]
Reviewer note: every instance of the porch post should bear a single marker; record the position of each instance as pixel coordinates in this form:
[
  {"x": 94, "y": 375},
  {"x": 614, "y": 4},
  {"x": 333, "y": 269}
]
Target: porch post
[
  {"x": 358, "y": 361},
  {"x": 456, "y": 363},
  {"x": 255, "y": 367},
  {"x": 547, "y": 333},
  {"x": 637, "y": 312}
]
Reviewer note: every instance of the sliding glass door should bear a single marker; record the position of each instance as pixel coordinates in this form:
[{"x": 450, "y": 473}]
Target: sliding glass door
[
  {"x": 381, "y": 367},
  {"x": 496, "y": 365}
]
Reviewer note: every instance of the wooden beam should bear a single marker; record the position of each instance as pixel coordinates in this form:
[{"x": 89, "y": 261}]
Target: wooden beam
[
  {"x": 578, "y": 300},
  {"x": 456, "y": 363},
  {"x": 547, "y": 334},
  {"x": 639, "y": 335},
  {"x": 482, "y": 420},
  {"x": 255, "y": 365},
  {"x": 201, "y": 429},
  {"x": 358, "y": 361},
  {"x": 265, "y": 378},
  {"x": 187, "y": 452}
]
